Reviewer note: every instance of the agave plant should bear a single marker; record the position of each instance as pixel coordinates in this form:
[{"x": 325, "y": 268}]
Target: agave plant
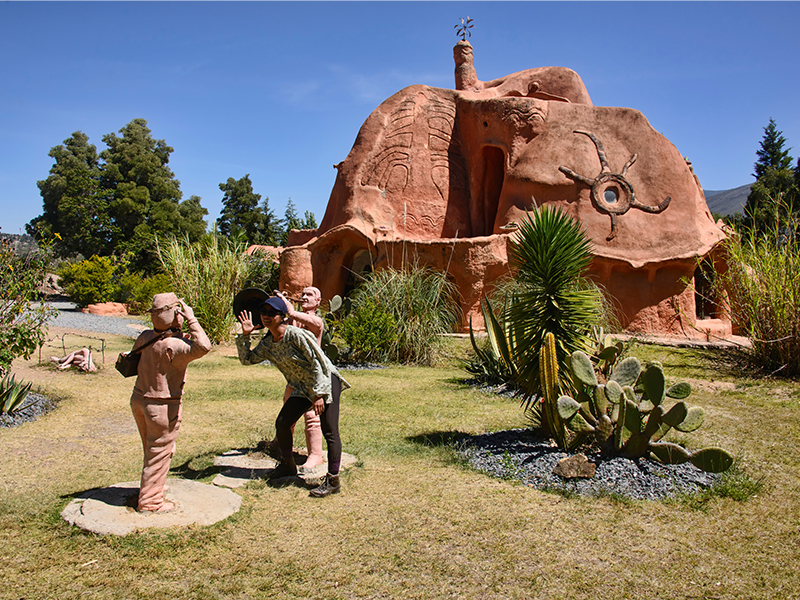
[
  {"x": 493, "y": 362},
  {"x": 550, "y": 255},
  {"x": 13, "y": 394}
]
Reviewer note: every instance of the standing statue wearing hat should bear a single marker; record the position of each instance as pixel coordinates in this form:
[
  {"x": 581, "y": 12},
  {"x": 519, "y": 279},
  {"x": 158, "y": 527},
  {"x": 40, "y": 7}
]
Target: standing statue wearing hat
[
  {"x": 316, "y": 384},
  {"x": 156, "y": 398}
]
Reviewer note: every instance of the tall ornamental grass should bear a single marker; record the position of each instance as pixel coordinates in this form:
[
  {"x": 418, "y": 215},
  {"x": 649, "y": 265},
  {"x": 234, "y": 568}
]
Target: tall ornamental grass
[
  {"x": 762, "y": 280},
  {"x": 421, "y": 302},
  {"x": 207, "y": 274}
]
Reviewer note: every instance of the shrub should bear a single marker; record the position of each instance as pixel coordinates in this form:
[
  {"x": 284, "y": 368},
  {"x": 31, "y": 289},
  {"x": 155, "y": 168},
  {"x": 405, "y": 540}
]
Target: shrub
[
  {"x": 263, "y": 272},
  {"x": 90, "y": 281},
  {"x": 23, "y": 323},
  {"x": 137, "y": 292},
  {"x": 370, "y": 332},
  {"x": 422, "y": 304}
]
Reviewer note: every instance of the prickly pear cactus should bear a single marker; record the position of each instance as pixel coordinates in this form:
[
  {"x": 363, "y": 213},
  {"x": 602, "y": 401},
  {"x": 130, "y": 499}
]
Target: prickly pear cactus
[{"x": 627, "y": 414}]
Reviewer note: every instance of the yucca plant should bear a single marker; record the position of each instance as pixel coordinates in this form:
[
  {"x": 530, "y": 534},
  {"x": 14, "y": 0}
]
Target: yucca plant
[
  {"x": 13, "y": 394},
  {"x": 550, "y": 256}
]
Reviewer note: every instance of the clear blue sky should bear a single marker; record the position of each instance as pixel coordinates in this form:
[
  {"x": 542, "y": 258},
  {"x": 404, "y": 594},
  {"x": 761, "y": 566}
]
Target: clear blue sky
[{"x": 279, "y": 90}]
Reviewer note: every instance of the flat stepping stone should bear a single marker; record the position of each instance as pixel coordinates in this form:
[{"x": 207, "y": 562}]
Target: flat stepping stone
[
  {"x": 112, "y": 510},
  {"x": 244, "y": 466}
]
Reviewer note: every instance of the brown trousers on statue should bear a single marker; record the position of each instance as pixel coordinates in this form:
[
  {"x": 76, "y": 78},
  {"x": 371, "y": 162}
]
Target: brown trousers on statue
[{"x": 158, "y": 422}]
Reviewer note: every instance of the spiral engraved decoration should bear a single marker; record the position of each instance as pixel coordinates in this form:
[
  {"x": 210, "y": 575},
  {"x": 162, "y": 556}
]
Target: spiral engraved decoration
[{"x": 612, "y": 194}]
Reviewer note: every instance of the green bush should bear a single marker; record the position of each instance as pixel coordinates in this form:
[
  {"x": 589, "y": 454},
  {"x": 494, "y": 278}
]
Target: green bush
[
  {"x": 370, "y": 331},
  {"x": 107, "y": 279},
  {"x": 90, "y": 281},
  {"x": 137, "y": 292},
  {"x": 23, "y": 323},
  {"x": 263, "y": 272}
]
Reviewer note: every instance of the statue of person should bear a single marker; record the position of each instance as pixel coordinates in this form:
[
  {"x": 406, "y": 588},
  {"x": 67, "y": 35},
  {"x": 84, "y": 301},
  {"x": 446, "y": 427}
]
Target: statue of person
[
  {"x": 156, "y": 399},
  {"x": 81, "y": 359},
  {"x": 316, "y": 384},
  {"x": 306, "y": 318}
]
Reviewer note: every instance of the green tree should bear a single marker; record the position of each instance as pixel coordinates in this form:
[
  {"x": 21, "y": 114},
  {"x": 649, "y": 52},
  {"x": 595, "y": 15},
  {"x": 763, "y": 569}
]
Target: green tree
[
  {"x": 241, "y": 212},
  {"x": 145, "y": 196},
  {"x": 75, "y": 203},
  {"x": 290, "y": 221},
  {"x": 117, "y": 202},
  {"x": 309, "y": 221},
  {"x": 776, "y": 187}
]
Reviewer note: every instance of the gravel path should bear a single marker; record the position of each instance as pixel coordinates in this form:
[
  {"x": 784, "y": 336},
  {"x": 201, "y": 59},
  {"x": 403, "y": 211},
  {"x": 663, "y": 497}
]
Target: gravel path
[
  {"x": 71, "y": 318},
  {"x": 521, "y": 455}
]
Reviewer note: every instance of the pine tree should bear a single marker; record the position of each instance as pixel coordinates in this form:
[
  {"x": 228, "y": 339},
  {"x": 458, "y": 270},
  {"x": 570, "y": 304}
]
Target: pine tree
[
  {"x": 776, "y": 187},
  {"x": 116, "y": 202},
  {"x": 309, "y": 221},
  {"x": 75, "y": 203},
  {"x": 290, "y": 221}
]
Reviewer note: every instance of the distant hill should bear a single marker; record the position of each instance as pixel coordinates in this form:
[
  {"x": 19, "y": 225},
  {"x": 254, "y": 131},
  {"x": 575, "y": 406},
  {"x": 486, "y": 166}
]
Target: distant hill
[
  {"x": 22, "y": 244},
  {"x": 727, "y": 202}
]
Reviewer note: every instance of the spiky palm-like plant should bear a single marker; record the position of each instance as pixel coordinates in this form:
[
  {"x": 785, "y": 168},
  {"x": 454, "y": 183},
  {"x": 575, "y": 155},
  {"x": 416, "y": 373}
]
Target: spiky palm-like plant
[{"x": 551, "y": 254}]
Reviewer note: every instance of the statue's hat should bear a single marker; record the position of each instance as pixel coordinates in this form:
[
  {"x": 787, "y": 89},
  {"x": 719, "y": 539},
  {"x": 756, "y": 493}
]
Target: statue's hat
[{"x": 250, "y": 299}]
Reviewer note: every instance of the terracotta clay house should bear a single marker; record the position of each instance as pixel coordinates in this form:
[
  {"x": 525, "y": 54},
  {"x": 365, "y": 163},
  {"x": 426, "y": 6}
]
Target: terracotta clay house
[{"x": 443, "y": 176}]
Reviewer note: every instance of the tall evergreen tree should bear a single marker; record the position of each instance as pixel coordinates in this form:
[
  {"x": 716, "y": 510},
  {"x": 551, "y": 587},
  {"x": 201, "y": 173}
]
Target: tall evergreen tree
[
  {"x": 244, "y": 214},
  {"x": 309, "y": 221},
  {"x": 771, "y": 154},
  {"x": 75, "y": 203},
  {"x": 117, "y": 202},
  {"x": 290, "y": 221},
  {"x": 775, "y": 190}
]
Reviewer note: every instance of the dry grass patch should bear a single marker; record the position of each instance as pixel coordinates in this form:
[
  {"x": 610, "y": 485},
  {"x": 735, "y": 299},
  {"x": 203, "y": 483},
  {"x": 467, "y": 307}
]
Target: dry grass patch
[{"x": 411, "y": 522}]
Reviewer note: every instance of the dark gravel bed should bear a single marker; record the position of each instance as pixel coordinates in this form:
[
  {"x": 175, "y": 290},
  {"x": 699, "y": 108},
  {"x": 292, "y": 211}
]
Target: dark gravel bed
[
  {"x": 520, "y": 454},
  {"x": 39, "y": 405}
]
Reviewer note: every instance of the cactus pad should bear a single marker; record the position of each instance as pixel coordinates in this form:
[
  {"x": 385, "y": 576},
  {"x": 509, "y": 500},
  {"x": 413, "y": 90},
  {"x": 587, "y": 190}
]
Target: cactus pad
[
  {"x": 669, "y": 454},
  {"x": 613, "y": 392},
  {"x": 567, "y": 407},
  {"x": 712, "y": 460},
  {"x": 627, "y": 372},
  {"x": 679, "y": 391},
  {"x": 582, "y": 368},
  {"x": 654, "y": 384},
  {"x": 694, "y": 419}
]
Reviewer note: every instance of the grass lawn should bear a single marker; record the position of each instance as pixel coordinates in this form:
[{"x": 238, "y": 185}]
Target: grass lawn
[{"x": 411, "y": 522}]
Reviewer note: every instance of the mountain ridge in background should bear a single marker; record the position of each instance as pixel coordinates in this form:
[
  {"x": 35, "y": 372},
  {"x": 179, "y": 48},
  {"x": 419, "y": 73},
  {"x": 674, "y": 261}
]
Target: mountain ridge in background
[{"x": 728, "y": 202}]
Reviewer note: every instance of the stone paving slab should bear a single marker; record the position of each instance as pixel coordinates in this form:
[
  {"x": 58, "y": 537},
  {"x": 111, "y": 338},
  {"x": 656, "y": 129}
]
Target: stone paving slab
[
  {"x": 111, "y": 510},
  {"x": 245, "y": 466}
]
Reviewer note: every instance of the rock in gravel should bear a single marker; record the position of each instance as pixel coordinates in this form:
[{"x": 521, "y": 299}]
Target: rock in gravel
[{"x": 575, "y": 466}]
